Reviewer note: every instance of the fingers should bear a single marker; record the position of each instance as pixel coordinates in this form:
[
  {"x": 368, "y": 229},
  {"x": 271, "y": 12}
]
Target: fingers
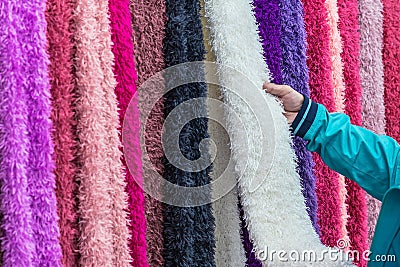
[{"x": 276, "y": 89}]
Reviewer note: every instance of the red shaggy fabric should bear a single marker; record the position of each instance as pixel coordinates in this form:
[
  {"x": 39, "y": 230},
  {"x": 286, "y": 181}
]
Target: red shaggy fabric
[{"x": 349, "y": 31}]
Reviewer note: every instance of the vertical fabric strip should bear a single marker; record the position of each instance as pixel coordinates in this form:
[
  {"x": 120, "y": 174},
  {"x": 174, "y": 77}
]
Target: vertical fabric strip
[
  {"x": 286, "y": 225},
  {"x": 357, "y": 207},
  {"x": 95, "y": 203},
  {"x": 295, "y": 74},
  {"x": 371, "y": 73},
  {"x": 60, "y": 48},
  {"x": 229, "y": 250},
  {"x": 321, "y": 87},
  {"x": 339, "y": 92},
  {"x": 125, "y": 74},
  {"x": 41, "y": 179},
  {"x": 17, "y": 244},
  {"x": 391, "y": 54},
  {"x": 148, "y": 24},
  {"x": 188, "y": 231},
  {"x": 117, "y": 184}
]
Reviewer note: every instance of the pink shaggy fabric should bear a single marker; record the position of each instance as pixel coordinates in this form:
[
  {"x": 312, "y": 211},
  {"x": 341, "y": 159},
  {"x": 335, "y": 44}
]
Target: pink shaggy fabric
[
  {"x": 125, "y": 74},
  {"x": 391, "y": 55},
  {"x": 371, "y": 73},
  {"x": 339, "y": 91},
  {"x": 148, "y": 33},
  {"x": 357, "y": 207},
  {"x": 102, "y": 200},
  {"x": 60, "y": 49},
  {"x": 321, "y": 87}
]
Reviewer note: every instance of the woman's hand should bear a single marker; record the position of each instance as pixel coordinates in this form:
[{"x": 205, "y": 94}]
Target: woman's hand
[{"x": 291, "y": 99}]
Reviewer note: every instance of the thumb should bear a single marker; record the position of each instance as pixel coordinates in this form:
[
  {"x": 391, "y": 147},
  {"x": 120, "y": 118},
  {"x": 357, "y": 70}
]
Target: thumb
[{"x": 276, "y": 89}]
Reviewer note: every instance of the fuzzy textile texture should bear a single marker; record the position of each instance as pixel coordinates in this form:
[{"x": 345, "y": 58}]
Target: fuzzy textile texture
[
  {"x": 371, "y": 73},
  {"x": 125, "y": 75},
  {"x": 102, "y": 200},
  {"x": 391, "y": 54},
  {"x": 339, "y": 92},
  {"x": 188, "y": 231},
  {"x": 294, "y": 54},
  {"x": 357, "y": 208},
  {"x": 274, "y": 220},
  {"x": 17, "y": 244},
  {"x": 229, "y": 250},
  {"x": 321, "y": 87},
  {"x": 268, "y": 19},
  {"x": 148, "y": 24},
  {"x": 60, "y": 48},
  {"x": 40, "y": 176}
]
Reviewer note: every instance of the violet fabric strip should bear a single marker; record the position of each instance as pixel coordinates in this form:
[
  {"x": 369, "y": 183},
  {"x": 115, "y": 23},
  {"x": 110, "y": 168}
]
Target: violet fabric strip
[
  {"x": 148, "y": 29},
  {"x": 295, "y": 74},
  {"x": 125, "y": 74},
  {"x": 60, "y": 49},
  {"x": 17, "y": 246},
  {"x": 40, "y": 176},
  {"x": 371, "y": 73}
]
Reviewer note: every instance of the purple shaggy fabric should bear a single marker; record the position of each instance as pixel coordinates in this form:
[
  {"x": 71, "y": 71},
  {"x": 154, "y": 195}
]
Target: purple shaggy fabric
[
  {"x": 18, "y": 245},
  {"x": 295, "y": 74},
  {"x": 41, "y": 179}
]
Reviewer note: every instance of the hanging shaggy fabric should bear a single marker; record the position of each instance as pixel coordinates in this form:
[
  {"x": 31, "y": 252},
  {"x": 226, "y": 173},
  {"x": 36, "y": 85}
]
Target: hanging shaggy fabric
[
  {"x": 102, "y": 200},
  {"x": 339, "y": 92},
  {"x": 391, "y": 54},
  {"x": 321, "y": 87},
  {"x": 371, "y": 73},
  {"x": 188, "y": 231},
  {"x": 125, "y": 74},
  {"x": 294, "y": 54},
  {"x": 267, "y": 16},
  {"x": 357, "y": 207},
  {"x": 60, "y": 49},
  {"x": 148, "y": 24},
  {"x": 286, "y": 225},
  {"x": 229, "y": 250},
  {"x": 17, "y": 245},
  {"x": 40, "y": 166}
]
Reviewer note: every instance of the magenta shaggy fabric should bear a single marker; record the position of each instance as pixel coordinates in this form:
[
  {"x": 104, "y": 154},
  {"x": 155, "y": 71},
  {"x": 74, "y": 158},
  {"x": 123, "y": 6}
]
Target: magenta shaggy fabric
[
  {"x": 349, "y": 31},
  {"x": 60, "y": 48},
  {"x": 321, "y": 87},
  {"x": 102, "y": 200},
  {"x": 126, "y": 77},
  {"x": 371, "y": 73},
  {"x": 148, "y": 33},
  {"x": 391, "y": 55}
]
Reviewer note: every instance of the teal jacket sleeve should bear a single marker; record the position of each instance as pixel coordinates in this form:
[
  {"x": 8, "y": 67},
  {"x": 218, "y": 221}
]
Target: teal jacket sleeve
[{"x": 369, "y": 159}]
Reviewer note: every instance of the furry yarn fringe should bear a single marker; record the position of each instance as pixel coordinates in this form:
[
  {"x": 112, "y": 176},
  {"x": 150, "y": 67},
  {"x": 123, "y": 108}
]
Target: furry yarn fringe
[
  {"x": 229, "y": 250},
  {"x": 17, "y": 244},
  {"x": 391, "y": 54},
  {"x": 294, "y": 54},
  {"x": 321, "y": 87},
  {"x": 102, "y": 200},
  {"x": 188, "y": 231},
  {"x": 59, "y": 35},
  {"x": 287, "y": 225},
  {"x": 371, "y": 73},
  {"x": 148, "y": 24},
  {"x": 126, "y": 77}
]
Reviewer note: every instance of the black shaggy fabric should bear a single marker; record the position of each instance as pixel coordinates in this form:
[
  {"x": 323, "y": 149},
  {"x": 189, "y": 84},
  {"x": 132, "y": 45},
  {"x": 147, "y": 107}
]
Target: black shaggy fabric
[{"x": 188, "y": 231}]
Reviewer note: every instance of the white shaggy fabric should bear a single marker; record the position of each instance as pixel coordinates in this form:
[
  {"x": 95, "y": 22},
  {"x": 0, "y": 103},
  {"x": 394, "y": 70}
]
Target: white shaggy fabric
[
  {"x": 229, "y": 250},
  {"x": 275, "y": 211}
]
